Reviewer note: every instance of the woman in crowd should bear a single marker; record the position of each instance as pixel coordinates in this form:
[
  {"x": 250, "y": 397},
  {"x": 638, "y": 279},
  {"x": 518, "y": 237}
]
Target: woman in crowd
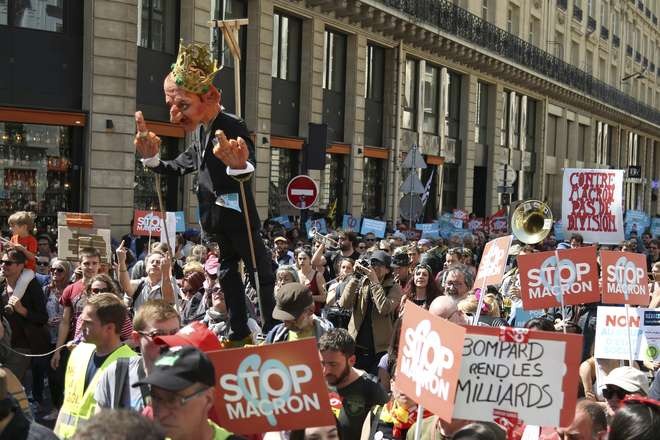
[
  {"x": 193, "y": 306},
  {"x": 337, "y": 285},
  {"x": 654, "y": 285},
  {"x": 311, "y": 278},
  {"x": 637, "y": 419},
  {"x": 420, "y": 289},
  {"x": 490, "y": 309}
]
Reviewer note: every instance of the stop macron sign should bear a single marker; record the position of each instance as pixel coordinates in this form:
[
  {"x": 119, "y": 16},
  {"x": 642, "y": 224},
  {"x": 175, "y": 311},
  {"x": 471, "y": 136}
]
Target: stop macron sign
[{"x": 302, "y": 192}]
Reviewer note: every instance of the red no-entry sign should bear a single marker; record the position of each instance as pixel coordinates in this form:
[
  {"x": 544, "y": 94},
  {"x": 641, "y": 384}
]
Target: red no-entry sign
[{"x": 302, "y": 192}]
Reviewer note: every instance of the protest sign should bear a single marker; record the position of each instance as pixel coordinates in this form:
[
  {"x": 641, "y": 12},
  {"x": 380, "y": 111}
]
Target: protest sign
[
  {"x": 266, "y": 388},
  {"x": 169, "y": 237},
  {"x": 624, "y": 278},
  {"x": 76, "y": 230},
  {"x": 461, "y": 214},
  {"x": 592, "y": 204},
  {"x": 612, "y": 333},
  {"x": 429, "y": 360},
  {"x": 655, "y": 227},
  {"x": 498, "y": 223},
  {"x": 476, "y": 224},
  {"x": 371, "y": 225},
  {"x": 350, "y": 223},
  {"x": 180, "y": 221},
  {"x": 412, "y": 234},
  {"x": 318, "y": 224},
  {"x": 284, "y": 221},
  {"x": 493, "y": 261},
  {"x": 457, "y": 223},
  {"x": 560, "y": 233},
  {"x": 543, "y": 281},
  {"x": 146, "y": 223},
  {"x": 531, "y": 374}
]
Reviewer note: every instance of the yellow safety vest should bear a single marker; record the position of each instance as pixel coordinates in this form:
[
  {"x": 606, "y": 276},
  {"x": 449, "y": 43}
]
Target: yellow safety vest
[{"x": 79, "y": 402}]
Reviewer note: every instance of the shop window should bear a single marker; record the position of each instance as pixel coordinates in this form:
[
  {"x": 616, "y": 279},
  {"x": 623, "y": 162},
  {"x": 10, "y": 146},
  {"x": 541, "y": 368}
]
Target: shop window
[
  {"x": 449, "y": 187},
  {"x": 334, "y": 74},
  {"x": 374, "y": 187},
  {"x": 284, "y": 165},
  {"x": 43, "y": 15},
  {"x": 158, "y": 25},
  {"x": 38, "y": 172},
  {"x": 285, "y": 108},
  {"x": 410, "y": 96},
  {"x": 334, "y": 184},
  {"x": 431, "y": 99},
  {"x": 375, "y": 79},
  {"x": 144, "y": 195}
]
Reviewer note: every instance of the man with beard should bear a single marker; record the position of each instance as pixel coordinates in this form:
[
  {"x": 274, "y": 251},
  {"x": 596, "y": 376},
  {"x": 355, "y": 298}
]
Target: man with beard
[
  {"x": 195, "y": 105},
  {"x": 359, "y": 392},
  {"x": 294, "y": 306},
  {"x": 458, "y": 283},
  {"x": 347, "y": 249}
]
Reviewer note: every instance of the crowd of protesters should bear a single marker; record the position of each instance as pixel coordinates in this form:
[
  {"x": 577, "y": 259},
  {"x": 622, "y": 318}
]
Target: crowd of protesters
[{"x": 347, "y": 291}]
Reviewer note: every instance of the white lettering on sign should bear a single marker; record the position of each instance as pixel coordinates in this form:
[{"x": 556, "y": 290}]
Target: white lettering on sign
[
  {"x": 302, "y": 192},
  {"x": 150, "y": 223},
  {"x": 491, "y": 262},
  {"x": 626, "y": 278},
  {"x": 552, "y": 279},
  {"x": 267, "y": 389},
  {"x": 424, "y": 359}
]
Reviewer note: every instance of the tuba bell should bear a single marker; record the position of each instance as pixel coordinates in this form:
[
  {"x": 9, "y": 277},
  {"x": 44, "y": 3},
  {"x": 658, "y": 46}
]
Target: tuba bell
[{"x": 531, "y": 221}]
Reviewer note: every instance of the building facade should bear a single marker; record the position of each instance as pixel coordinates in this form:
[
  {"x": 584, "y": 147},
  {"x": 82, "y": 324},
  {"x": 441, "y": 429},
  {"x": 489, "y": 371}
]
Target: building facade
[{"x": 499, "y": 96}]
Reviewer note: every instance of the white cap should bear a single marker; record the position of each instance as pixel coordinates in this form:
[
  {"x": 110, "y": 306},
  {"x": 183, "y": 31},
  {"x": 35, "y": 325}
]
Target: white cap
[{"x": 629, "y": 379}]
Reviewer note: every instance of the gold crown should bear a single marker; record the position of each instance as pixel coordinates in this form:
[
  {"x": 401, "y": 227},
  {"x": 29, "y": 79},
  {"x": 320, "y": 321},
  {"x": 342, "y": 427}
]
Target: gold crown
[{"x": 194, "y": 69}]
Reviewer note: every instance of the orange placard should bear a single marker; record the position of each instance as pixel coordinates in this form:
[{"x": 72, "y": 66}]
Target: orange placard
[
  {"x": 523, "y": 375},
  {"x": 429, "y": 360},
  {"x": 277, "y": 387},
  {"x": 624, "y": 278},
  {"x": 542, "y": 281},
  {"x": 493, "y": 261},
  {"x": 147, "y": 222}
]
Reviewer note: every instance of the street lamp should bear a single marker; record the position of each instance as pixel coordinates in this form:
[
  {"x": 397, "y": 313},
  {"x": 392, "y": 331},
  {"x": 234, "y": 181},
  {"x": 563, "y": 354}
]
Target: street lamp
[{"x": 634, "y": 75}]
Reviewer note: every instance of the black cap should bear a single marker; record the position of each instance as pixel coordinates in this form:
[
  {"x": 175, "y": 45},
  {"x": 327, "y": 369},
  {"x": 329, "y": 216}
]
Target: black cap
[
  {"x": 291, "y": 300},
  {"x": 380, "y": 257},
  {"x": 400, "y": 259},
  {"x": 179, "y": 368}
]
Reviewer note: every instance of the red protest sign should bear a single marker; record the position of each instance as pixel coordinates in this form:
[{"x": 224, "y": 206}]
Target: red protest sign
[
  {"x": 277, "y": 387},
  {"x": 428, "y": 363},
  {"x": 624, "y": 278},
  {"x": 531, "y": 379},
  {"x": 493, "y": 261},
  {"x": 542, "y": 281},
  {"x": 497, "y": 222},
  {"x": 146, "y": 222}
]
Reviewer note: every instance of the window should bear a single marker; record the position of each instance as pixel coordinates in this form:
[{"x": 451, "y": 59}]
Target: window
[
  {"x": 43, "y": 15},
  {"x": 551, "y": 142},
  {"x": 410, "y": 96},
  {"x": 513, "y": 20},
  {"x": 530, "y": 126},
  {"x": 604, "y": 14},
  {"x": 582, "y": 139},
  {"x": 374, "y": 187},
  {"x": 575, "y": 53},
  {"x": 484, "y": 10},
  {"x": 158, "y": 26},
  {"x": 534, "y": 31},
  {"x": 615, "y": 23},
  {"x": 481, "y": 117},
  {"x": 430, "y": 99},
  {"x": 374, "y": 85},
  {"x": 454, "y": 105},
  {"x": 286, "y": 47},
  {"x": 284, "y": 165},
  {"x": 559, "y": 45},
  {"x": 591, "y": 8},
  {"x": 334, "y": 61},
  {"x": 588, "y": 61},
  {"x": 602, "y": 70}
]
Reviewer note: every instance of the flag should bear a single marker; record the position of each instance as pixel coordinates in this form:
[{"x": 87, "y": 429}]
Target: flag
[
  {"x": 332, "y": 208},
  {"x": 427, "y": 189}
]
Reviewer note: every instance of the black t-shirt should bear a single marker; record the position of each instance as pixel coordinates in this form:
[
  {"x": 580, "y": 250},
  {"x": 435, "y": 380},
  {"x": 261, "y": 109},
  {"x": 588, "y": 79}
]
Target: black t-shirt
[
  {"x": 94, "y": 364},
  {"x": 357, "y": 400},
  {"x": 332, "y": 262}
]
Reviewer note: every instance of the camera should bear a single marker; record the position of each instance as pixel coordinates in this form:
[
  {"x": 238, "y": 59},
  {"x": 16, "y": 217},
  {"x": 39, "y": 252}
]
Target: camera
[{"x": 361, "y": 265}]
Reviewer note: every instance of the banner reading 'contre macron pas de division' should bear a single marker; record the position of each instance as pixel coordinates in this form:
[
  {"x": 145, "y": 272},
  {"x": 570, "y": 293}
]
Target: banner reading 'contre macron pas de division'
[{"x": 592, "y": 202}]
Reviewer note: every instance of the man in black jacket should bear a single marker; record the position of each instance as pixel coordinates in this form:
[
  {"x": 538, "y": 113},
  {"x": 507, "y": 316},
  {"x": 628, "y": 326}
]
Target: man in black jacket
[{"x": 195, "y": 104}]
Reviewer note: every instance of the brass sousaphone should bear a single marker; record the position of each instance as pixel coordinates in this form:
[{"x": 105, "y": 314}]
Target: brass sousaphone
[{"x": 531, "y": 221}]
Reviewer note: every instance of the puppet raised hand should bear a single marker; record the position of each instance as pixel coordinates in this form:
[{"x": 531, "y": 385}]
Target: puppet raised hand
[
  {"x": 146, "y": 142},
  {"x": 232, "y": 152}
]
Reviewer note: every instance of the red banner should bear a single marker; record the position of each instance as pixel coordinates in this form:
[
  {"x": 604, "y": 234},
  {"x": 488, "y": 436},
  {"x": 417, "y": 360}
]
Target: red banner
[
  {"x": 277, "y": 387},
  {"x": 493, "y": 261},
  {"x": 147, "y": 223},
  {"x": 542, "y": 280},
  {"x": 429, "y": 360},
  {"x": 624, "y": 278},
  {"x": 498, "y": 222}
]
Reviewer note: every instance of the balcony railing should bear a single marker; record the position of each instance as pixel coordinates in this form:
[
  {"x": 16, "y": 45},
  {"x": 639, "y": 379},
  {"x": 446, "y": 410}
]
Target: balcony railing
[
  {"x": 655, "y": 19},
  {"x": 615, "y": 41},
  {"x": 604, "y": 33},
  {"x": 640, "y": 5},
  {"x": 562, "y": 4},
  {"x": 638, "y": 57},
  {"x": 652, "y": 68},
  {"x": 591, "y": 24},
  {"x": 577, "y": 13},
  {"x": 647, "y": 12},
  {"x": 458, "y": 22},
  {"x": 629, "y": 50}
]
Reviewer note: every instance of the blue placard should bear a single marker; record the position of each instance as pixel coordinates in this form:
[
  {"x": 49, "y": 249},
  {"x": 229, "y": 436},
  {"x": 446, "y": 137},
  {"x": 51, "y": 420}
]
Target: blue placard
[
  {"x": 431, "y": 233},
  {"x": 426, "y": 226},
  {"x": 318, "y": 224},
  {"x": 284, "y": 221},
  {"x": 655, "y": 227},
  {"x": 350, "y": 223},
  {"x": 180, "y": 221},
  {"x": 560, "y": 231},
  {"x": 376, "y": 226}
]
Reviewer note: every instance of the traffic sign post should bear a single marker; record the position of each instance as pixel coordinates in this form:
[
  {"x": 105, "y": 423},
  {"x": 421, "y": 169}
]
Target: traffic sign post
[{"x": 302, "y": 192}]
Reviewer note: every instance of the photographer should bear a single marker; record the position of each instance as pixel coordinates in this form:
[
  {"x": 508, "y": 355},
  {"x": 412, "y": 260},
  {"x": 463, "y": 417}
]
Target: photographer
[{"x": 373, "y": 297}]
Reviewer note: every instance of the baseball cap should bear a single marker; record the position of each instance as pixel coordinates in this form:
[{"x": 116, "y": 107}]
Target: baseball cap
[
  {"x": 424, "y": 242},
  {"x": 196, "y": 334},
  {"x": 179, "y": 368},
  {"x": 211, "y": 265},
  {"x": 381, "y": 257},
  {"x": 400, "y": 259},
  {"x": 628, "y": 378},
  {"x": 280, "y": 238},
  {"x": 291, "y": 300}
]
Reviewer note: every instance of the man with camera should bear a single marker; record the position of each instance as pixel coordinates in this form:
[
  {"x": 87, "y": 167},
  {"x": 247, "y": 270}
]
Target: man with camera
[{"x": 373, "y": 297}]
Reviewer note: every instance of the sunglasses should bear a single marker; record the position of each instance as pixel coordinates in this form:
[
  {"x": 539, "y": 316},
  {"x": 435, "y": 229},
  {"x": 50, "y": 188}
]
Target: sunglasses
[
  {"x": 7, "y": 262},
  {"x": 43, "y": 263},
  {"x": 56, "y": 269},
  {"x": 610, "y": 392}
]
